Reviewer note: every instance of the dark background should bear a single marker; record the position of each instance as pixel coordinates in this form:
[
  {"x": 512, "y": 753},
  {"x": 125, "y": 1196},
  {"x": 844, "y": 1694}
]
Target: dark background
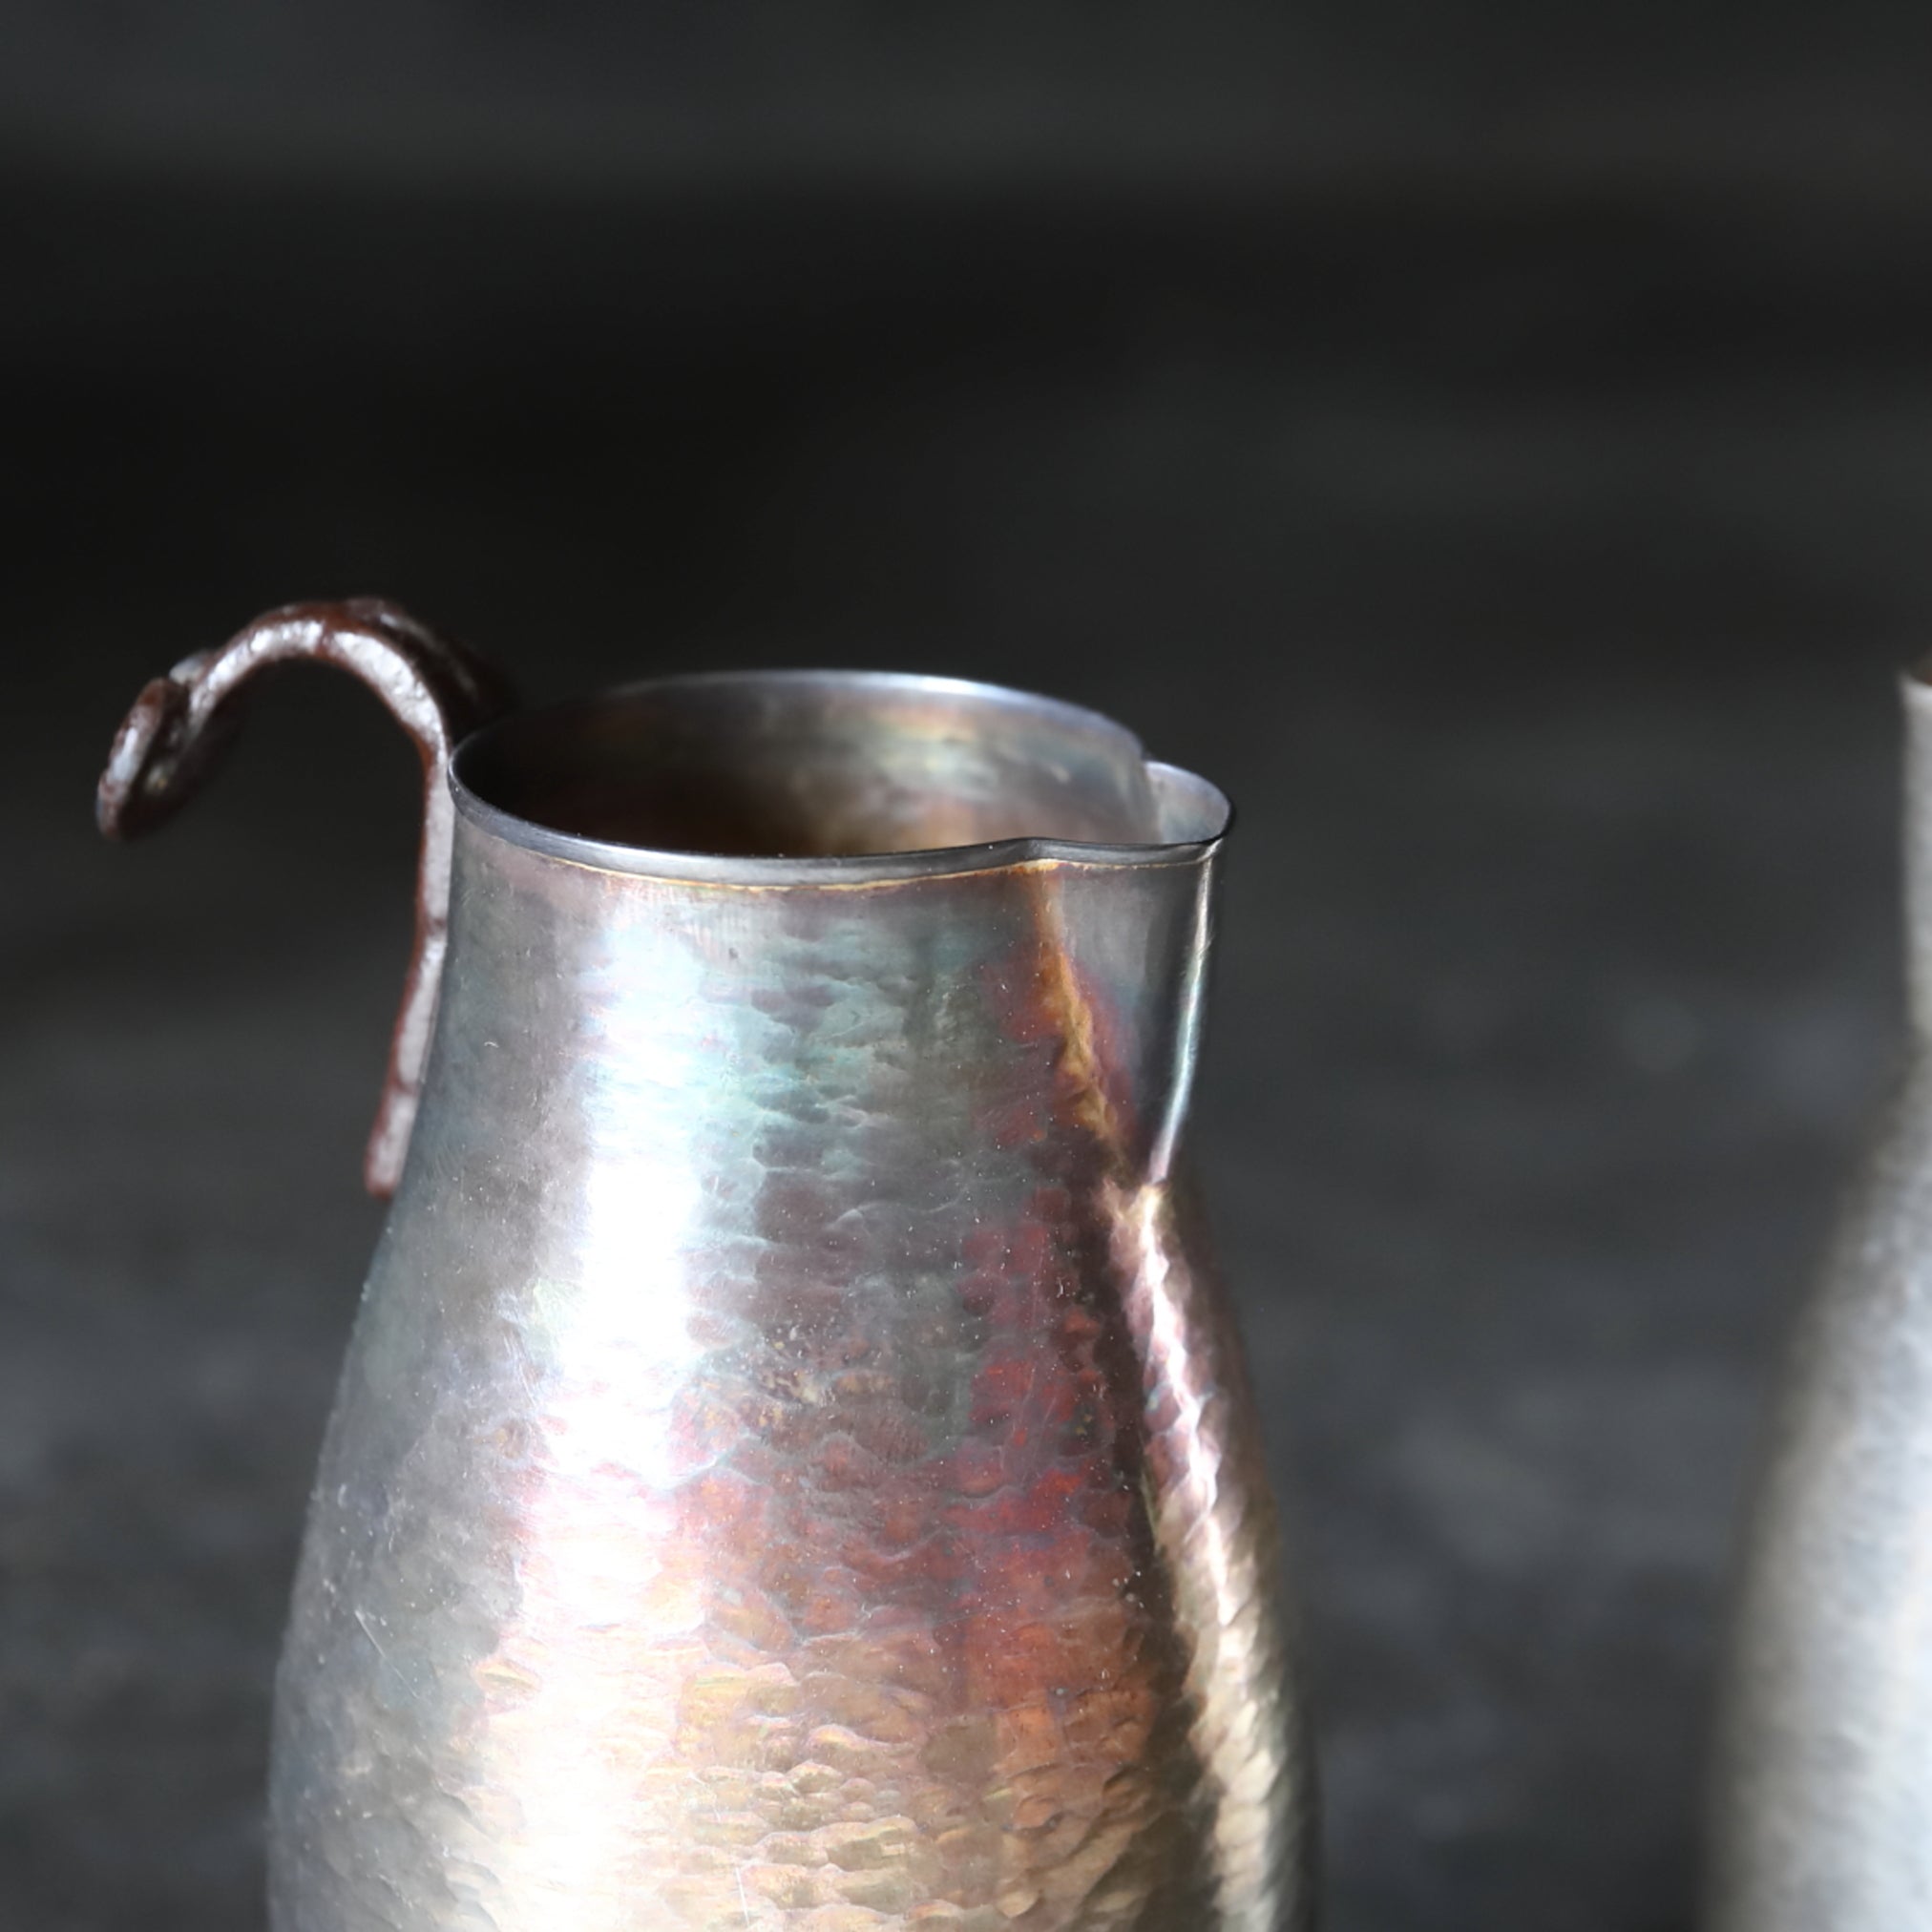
[{"x": 1494, "y": 441}]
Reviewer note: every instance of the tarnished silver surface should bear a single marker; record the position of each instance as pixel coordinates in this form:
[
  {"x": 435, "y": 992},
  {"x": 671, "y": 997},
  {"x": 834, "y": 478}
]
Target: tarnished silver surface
[
  {"x": 793, "y": 1467},
  {"x": 1823, "y": 1799}
]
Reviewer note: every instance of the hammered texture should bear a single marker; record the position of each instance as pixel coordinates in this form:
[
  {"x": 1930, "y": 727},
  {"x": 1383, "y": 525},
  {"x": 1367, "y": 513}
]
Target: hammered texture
[
  {"x": 791, "y": 1470},
  {"x": 1217, "y": 1531}
]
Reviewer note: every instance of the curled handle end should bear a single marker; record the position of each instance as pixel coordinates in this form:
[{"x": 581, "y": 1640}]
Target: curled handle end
[{"x": 437, "y": 689}]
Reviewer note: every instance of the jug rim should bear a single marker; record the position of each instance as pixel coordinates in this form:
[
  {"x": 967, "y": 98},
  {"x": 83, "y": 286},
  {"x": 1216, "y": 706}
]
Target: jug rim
[{"x": 1199, "y": 809}]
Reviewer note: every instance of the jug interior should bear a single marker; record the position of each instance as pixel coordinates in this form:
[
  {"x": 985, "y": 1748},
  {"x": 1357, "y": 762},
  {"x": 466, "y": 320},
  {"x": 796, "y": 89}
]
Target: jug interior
[{"x": 816, "y": 765}]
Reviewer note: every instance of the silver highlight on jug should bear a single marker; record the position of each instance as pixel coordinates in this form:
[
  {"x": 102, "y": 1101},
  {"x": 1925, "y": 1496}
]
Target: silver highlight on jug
[
  {"x": 793, "y": 1467},
  {"x": 1821, "y": 1817}
]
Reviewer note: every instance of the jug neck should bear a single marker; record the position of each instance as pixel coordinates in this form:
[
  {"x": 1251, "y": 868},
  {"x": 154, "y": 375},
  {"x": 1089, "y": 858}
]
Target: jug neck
[{"x": 602, "y": 1029}]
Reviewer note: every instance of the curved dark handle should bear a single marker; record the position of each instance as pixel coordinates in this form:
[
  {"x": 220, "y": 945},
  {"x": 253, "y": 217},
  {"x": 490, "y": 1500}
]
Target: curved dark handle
[{"x": 437, "y": 689}]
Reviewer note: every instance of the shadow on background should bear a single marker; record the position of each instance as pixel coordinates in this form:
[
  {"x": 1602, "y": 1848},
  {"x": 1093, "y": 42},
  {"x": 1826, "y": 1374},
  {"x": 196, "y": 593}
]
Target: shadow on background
[{"x": 1499, "y": 457}]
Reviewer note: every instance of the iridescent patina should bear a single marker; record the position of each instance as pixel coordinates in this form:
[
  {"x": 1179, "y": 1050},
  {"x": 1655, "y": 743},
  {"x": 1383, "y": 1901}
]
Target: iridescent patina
[{"x": 793, "y": 1468}]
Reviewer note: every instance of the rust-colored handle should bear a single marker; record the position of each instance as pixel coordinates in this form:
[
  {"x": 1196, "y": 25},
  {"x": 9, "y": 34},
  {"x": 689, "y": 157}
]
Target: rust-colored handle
[{"x": 437, "y": 689}]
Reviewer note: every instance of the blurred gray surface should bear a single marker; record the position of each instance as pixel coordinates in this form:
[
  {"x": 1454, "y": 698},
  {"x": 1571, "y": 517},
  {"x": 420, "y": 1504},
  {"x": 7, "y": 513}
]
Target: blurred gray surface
[
  {"x": 1781, "y": 92},
  {"x": 1533, "y": 575}
]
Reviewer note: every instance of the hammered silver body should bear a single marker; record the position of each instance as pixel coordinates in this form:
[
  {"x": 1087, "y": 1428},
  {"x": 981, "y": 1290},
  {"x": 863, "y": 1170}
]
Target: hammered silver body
[
  {"x": 793, "y": 1468},
  {"x": 1823, "y": 1799}
]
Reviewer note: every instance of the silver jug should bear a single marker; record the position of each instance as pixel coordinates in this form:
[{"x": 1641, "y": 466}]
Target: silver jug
[
  {"x": 793, "y": 1467},
  {"x": 1821, "y": 1816}
]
